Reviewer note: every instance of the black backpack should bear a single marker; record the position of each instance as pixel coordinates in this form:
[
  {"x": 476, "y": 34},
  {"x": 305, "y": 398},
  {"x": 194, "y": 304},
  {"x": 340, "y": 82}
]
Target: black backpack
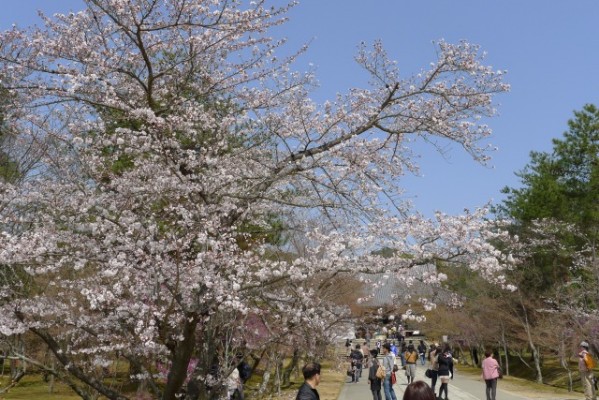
[
  {"x": 357, "y": 355},
  {"x": 245, "y": 371}
]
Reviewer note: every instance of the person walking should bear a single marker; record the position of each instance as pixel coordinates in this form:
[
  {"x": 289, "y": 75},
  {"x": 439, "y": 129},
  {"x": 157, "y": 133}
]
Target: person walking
[
  {"x": 307, "y": 391},
  {"x": 233, "y": 385},
  {"x": 388, "y": 363},
  {"x": 394, "y": 349},
  {"x": 419, "y": 390},
  {"x": 245, "y": 372},
  {"x": 402, "y": 351},
  {"x": 351, "y": 371},
  {"x": 348, "y": 346},
  {"x": 356, "y": 358},
  {"x": 411, "y": 357},
  {"x": 585, "y": 366},
  {"x": 434, "y": 364},
  {"x": 445, "y": 361},
  {"x": 366, "y": 353},
  {"x": 490, "y": 374},
  {"x": 374, "y": 381},
  {"x": 422, "y": 352}
]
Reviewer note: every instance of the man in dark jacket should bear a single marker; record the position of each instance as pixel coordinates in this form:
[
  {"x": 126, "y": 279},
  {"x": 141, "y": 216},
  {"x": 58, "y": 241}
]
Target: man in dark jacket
[
  {"x": 356, "y": 359},
  {"x": 308, "y": 391}
]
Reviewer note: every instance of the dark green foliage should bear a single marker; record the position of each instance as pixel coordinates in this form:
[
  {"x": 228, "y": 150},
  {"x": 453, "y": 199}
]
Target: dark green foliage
[
  {"x": 9, "y": 170},
  {"x": 273, "y": 232},
  {"x": 563, "y": 186}
]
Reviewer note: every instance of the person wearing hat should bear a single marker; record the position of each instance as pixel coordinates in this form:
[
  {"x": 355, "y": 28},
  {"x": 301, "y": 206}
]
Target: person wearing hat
[{"x": 585, "y": 366}]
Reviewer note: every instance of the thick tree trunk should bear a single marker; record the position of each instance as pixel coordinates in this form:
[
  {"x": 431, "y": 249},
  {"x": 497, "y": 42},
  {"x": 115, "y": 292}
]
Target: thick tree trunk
[
  {"x": 181, "y": 357},
  {"x": 209, "y": 365}
]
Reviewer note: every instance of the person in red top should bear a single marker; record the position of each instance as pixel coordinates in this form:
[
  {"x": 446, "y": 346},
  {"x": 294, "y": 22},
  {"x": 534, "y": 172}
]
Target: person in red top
[{"x": 490, "y": 374}]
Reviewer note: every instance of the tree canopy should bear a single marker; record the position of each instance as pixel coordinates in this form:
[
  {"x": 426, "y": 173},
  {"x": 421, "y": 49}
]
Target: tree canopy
[
  {"x": 179, "y": 139},
  {"x": 563, "y": 187},
  {"x": 563, "y": 184}
]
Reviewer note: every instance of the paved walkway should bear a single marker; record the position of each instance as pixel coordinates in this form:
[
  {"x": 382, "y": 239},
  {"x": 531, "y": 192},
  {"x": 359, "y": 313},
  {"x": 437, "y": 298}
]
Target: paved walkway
[{"x": 460, "y": 388}]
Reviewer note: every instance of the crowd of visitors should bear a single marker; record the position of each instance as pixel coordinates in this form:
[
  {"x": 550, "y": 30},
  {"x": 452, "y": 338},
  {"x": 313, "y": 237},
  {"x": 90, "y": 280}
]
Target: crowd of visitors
[
  {"x": 396, "y": 355},
  {"x": 382, "y": 370},
  {"x": 404, "y": 355}
]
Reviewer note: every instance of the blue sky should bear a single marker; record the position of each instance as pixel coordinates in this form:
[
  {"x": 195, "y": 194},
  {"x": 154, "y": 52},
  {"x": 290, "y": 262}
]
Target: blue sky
[{"x": 550, "y": 49}]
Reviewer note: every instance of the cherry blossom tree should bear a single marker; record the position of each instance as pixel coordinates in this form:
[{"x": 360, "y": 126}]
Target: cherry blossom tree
[{"x": 180, "y": 140}]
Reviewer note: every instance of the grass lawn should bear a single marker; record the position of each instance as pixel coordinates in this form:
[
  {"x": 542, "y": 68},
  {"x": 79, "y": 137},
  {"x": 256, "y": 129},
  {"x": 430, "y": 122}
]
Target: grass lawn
[
  {"x": 331, "y": 382},
  {"x": 332, "y": 379},
  {"x": 34, "y": 388}
]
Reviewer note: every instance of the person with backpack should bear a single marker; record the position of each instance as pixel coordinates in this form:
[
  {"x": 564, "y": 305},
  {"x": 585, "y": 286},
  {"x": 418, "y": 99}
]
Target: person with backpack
[
  {"x": 357, "y": 357},
  {"x": 585, "y": 366},
  {"x": 374, "y": 379},
  {"x": 411, "y": 357}
]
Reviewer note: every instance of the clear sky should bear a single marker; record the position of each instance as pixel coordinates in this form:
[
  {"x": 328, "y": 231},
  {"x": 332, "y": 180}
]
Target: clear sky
[{"x": 550, "y": 49}]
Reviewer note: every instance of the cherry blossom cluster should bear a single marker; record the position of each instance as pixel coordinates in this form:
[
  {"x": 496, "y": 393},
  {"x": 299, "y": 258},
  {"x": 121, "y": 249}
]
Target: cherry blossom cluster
[{"x": 175, "y": 142}]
